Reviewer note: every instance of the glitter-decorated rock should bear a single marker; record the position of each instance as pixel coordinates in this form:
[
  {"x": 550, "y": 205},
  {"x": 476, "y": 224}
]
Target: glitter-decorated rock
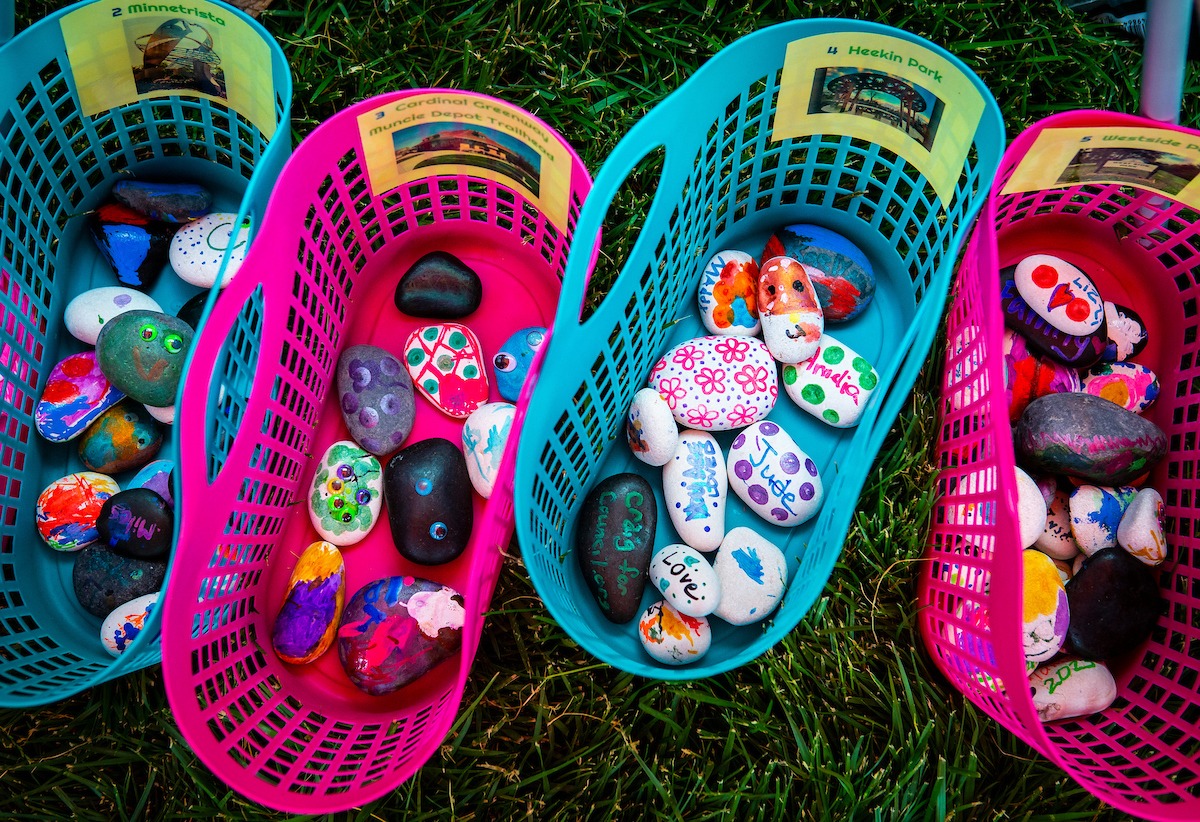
[
  {"x": 728, "y": 294},
  {"x": 375, "y": 394},
  {"x": 143, "y": 354},
  {"x": 76, "y": 394},
  {"x": 312, "y": 607},
  {"x": 717, "y": 383},
  {"x": 104, "y": 579},
  {"x": 788, "y": 308},
  {"x": 840, "y": 272},
  {"x": 833, "y": 385},
  {"x": 446, "y": 365},
  {"x": 346, "y": 495},
  {"x": 428, "y": 494}
]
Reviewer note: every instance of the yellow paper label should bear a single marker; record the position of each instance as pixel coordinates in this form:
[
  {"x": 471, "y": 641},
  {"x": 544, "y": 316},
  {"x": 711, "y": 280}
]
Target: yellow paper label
[
  {"x": 120, "y": 54},
  {"x": 892, "y": 92},
  {"x": 444, "y": 133}
]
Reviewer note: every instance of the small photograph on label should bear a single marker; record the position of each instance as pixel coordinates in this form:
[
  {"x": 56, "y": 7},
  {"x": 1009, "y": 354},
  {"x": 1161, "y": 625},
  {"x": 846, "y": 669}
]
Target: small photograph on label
[
  {"x": 174, "y": 54},
  {"x": 429, "y": 145},
  {"x": 1161, "y": 170},
  {"x": 902, "y": 104}
]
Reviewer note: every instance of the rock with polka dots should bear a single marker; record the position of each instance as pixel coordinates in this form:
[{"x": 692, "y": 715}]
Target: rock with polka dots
[
  {"x": 445, "y": 362},
  {"x": 717, "y": 383},
  {"x": 769, "y": 472},
  {"x": 375, "y": 394},
  {"x": 198, "y": 248},
  {"x": 346, "y": 495},
  {"x": 834, "y": 385},
  {"x": 427, "y": 491},
  {"x": 1060, "y": 294},
  {"x": 694, "y": 487}
]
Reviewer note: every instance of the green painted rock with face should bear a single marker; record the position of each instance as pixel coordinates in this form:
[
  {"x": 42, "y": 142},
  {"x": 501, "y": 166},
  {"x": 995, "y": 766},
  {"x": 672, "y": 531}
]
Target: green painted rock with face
[{"x": 142, "y": 353}]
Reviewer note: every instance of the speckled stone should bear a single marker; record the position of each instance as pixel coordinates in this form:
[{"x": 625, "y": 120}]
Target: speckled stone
[
  {"x": 104, "y": 580},
  {"x": 123, "y": 438},
  {"x": 428, "y": 495}
]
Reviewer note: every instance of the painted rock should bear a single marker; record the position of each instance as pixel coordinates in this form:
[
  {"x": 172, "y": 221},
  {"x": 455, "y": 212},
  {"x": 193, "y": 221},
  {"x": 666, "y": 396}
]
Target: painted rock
[
  {"x": 1057, "y": 541},
  {"x": 1047, "y": 614},
  {"x": 1132, "y": 386},
  {"x": 346, "y": 494},
  {"x": 165, "y": 414},
  {"x": 1127, "y": 334},
  {"x": 1141, "y": 529},
  {"x": 1065, "y": 570},
  {"x": 1086, "y": 437},
  {"x": 1047, "y": 487},
  {"x": 121, "y": 439},
  {"x": 192, "y": 310},
  {"x": 728, "y": 294},
  {"x": 76, "y": 394},
  {"x": 135, "y": 246},
  {"x": 694, "y": 488},
  {"x": 68, "y": 508},
  {"x": 104, "y": 579},
  {"x": 650, "y": 428},
  {"x": 484, "y": 437},
  {"x": 168, "y": 202},
  {"x": 673, "y": 638},
  {"x": 1096, "y": 512},
  {"x": 439, "y": 286},
  {"x": 1115, "y": 604},
  {"x": 753, "y": 576},
  {"x": 198, "y": 248},
  {"x": 511, "y": 363},
  {"x": 686, "y": 580},
  {"x": 142, "y": 353},
  {"x": 1031, "y": 509},
  {"x": 397, "y": 629},
  {"x": 86, "y": 315},
  {"x": 1069, "y": 688},
  {"x": 614, "y": 539},
  {"x": 136, "y": 523},
  {"x": 1060, "y": 294},
  {"x": 1068, "y": 349},
  {"x": 308, "y": 619},
  {"x": 789, "y": 310},
  {"x": 446, "y": 365},
  {"x": 376, "y": 398},
  {"x": 1029, "y": 376},
  {"x": 770, "y": 473},
  {"x": 717, "y": 383},
  {"x": 833, "y": 385},
  {"x": 841, "y": 274},
  {"x": 157, "y": 477},
  {"x": 122, "y": 626},
  {"x": 428, "y": 494}
]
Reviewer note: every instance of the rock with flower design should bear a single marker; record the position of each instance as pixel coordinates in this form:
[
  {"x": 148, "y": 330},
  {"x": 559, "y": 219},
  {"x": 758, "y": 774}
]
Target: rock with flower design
[
  {"x": 717, "y": 383},
  {"x": 445, "y": 362},
  {"x": 376, "y": 397},
  {"x": 1130, "y": 385},
  {"x": 346, "y": 495},
  {"x": 833, "y": 384},
  {"x": 650, "y": 428},
  {"x": 728, "y": 294},
  {"x": 770, "y": 473},
  {"x": 791, "y": 315},
  {"x": 673, "y": 638}
]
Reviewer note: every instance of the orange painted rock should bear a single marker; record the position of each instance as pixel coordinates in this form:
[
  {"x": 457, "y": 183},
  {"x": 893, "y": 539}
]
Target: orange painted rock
[
  {"x": 791, "y": 316},
  {"x": 308, "y": 620}
]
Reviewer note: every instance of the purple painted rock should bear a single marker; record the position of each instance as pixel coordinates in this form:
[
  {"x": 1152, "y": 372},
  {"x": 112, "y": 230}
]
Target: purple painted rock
[
  {"x": 376, "y": 397},
  {"x": 121, "y": 627},
  {"x": 76, "y": 394},
  {"x": 1096, "y": 512},
  {"x": 1060, "y": 294},
  {"x": 308, "y": 619},
  {"x": 68, "y": 508},
  {"x": 135, "y": 246},
  {"x": 136, "y": 523},
  {"x": 770, "y": 473},
  {"x": 396, "y": 629},
  {"x": 694, "y": 488},
  {"x": 512, "y": 362},
  {"x": 123, "y": 438},
  {"x": 1141, "y": 530},
  {"x": 427, "y": 491},
  {"x": 104, "y": 579},
  {"x": 841, "y": 274},
  {"x": 728, "y": 294},
  {"x": 1046, "y": 610},
  {"x": 717, "y": 383},
  {"x": 1115, "y": 604},
  {"x": 1068, "y": 349},
  {"x": 1029, "y": 376},
  {"x": 87, "y": 313},
  {"x": 168, "y": 202},
  {"x": 439, "y": 286},
  {"x": 198, "y": 249},
  {"x": 1130, "y": 385},
  {"x": 446, "y": 365},
  {"x": 614, "y": 539},
  {"x": 143, "y": 353},
  {"x": 1089, "y": 438},
  {"x": 157, "y": 477},
  {"x": 1127, "y": 334}
]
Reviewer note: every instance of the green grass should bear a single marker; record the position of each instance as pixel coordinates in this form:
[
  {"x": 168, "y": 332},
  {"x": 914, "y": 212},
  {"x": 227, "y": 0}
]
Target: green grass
[{"x": 847, "y": 718}]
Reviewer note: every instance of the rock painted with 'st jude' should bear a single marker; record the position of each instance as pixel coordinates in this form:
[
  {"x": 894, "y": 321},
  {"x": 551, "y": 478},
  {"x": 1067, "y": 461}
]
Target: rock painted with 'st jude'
[
  {"x": 614, "y": 539},
  {"x": 694, "y": 487},
  {"x": 833, "y": 384},
  {"x": 308, "y": 619},
  {"x": 770, "y": 473}
]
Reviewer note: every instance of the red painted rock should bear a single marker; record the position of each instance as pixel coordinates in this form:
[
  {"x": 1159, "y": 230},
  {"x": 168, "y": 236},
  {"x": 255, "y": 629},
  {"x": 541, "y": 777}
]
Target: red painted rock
[{"x": 1029, "y": 376}]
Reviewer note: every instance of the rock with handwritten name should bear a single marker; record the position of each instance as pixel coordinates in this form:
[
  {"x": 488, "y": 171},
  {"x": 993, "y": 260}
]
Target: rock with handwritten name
[
  {"x": 1068, "y": 349},
  {"x": 1130, "y": 385},
  {"x": 198, "y": 249},
  {"x": 650, "y": 428},
  {"x": 717, "y": 383},
  {"x": 614, "y": 539},
  {"x": 1068, "y": 688},
  {"x": 685, "y": 579},
  {"x": 137, "y": 523},
  {"x": 788, "y": 308},
  {"x": 841, "y": 273},
  {"x": 673, "y": 638},
  {"x": 1114, "y": 602},
  {"x": 753, "y": 575},
  {"x": 834, "y": 384},
  {"x": 1127, "y": 334},
  {"x": 694, "y": 487},
  {"x": 728, "y": 294},
  {"x": 1060, "y": 293},
  {"x": 770, "y": 473},
  {"x": 1141, "y": 530},
  {"x": 1096, "y": 512}
]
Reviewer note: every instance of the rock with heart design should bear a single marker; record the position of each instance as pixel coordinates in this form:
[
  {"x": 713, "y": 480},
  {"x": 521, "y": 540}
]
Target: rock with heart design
[
  {"x": 685, "y": 579},
  {"x": 834, "y": 384},
  {"x": 168, "y": 202},
  {"x": 123, "y": 625},
  {"x": 103, "y": 579},
  {"x": 199, "y": 247},
  {"x": 375, "y": 394},
  {"x": 614, "y": 539},
  {"x": 650, "y": 428},
  {"x": 87, "y": 313},
  {"x": 439, "y": 286},
  {"x": 1141, "y": 530},
  {"x": 1130, "y": 385},
  {"x": 1029, "y": 375},
  {"x": 76, "y": 394},
  {"x": 717, "y": 383},
  {"x": 428, "y": 494},
  {"x": 136, "y": 523},
  {"x": 673, "y": 638},
  {"x": 1068, "y": 688},
  {"x": 135, "y": 246},
  {"x": 728, "y": 294},
  {"x": 446, "y": 365},
  {"x": 484, "y": 437},
  {"x": 143, "y": 354},
  {"x": 1060, "y": 294},
  {"x": 67, "y": 509},
  {"x": 1127, "y": 334},
  {"x": 788, "y": 308},
  {"x": 1115, "y": 604},
  {"x": 346, "y": 495},
  {"x": 841, "y": 274},
  {"x": 123, "y": 438},
  {"x": 312, "y": 607},
  {"x": 1047, "y": 615},
  {"x": 512, "y": 362},
  {"x": 1068, "y": 349},
  {"x": 769, "y": 472},
  {"x": 753, "y": 576},
  {"x": 694, "y": 488}
]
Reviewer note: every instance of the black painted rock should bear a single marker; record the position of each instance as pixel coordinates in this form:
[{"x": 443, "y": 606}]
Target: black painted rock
[
  {"x": 168, "y": 202},
  {"x": 614, "y": 539},
  {"x": 439, "y": 285},
  {"x": 428, "y": 495},
  {"x": 135, "y": 246},
  {"x": 190, "y": 311},
  {"x": 1088, "y": 437},
  {"x": 1078, "y": 352},
  {"x": 136, "y": 523},
  {"x": 105, "y": 580},
  {"x": 1114, "y": 603}
]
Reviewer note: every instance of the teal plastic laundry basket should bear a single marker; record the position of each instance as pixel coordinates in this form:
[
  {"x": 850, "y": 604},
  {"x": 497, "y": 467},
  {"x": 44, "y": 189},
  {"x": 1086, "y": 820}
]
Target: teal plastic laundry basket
[
  {"x": 69, "y": 128},
  {"x": 751, "y": 143}
]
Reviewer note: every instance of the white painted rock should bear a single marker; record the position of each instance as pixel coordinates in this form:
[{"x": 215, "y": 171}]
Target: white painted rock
[
  {"x": 650, "y": 428},
  {"x": 1056, "y": 540},
  {"x": 88, "y": 312},
  {"x": 1060, "y": 294},
  {"x": 1141, "y": 529},
  {"x": 484, "y": 435},
  {"x": 717, "y": 383},
  {"x": 673, "y": 638},
  {"x": 346, "y": 494},
  {"x": 728, "y": 294},
  {"x": 789, "y": 310},
  {"x": 770, "y": 473},
  {"x": 833, "y": 385},
  {"x": 686, "y": 580},
  {"x": 1046, "y": 613},
  {"x": 198, "y": 247},
  {"x": 1096, "y": 513},
  {"x": 1031, "y": 509},
  {"x": 1069, "y": 688},
  {"x": 1127, "y": 334},
  {"x": 695, "y": 485},
  {"x": 164, "y": 414},
  {"x": 121, "y": 627},
  {"x": 753, "y": 576}
]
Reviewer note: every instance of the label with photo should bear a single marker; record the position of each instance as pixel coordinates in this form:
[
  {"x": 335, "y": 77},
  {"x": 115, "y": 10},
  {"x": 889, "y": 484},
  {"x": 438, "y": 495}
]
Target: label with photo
[
  {"x": 892, "y": 92},
  {"x": 120, "y": 54},
  {"x": 444, "y": 133}
]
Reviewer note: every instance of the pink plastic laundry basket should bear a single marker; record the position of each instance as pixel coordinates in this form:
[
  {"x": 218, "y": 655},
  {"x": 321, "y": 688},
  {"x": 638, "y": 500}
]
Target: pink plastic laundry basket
[
  {"x": 336, "y": 236},
  {"x": 1142, "y": 755}
]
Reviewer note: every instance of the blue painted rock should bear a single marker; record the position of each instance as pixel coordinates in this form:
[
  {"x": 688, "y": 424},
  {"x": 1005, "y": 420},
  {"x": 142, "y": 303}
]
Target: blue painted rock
[
  {"x": 397, "y": 629},
  {"x": 770, "y": 473},
  {"x": 198, "y": 248},
  {"x": 68, "y": 508},
  {"x": 788, "y": 308},
  {"x": 1089, "y": 438},
  {"x": 346, "y": 494},
  {"x": 717, "y": 383},
  {"x": 1068, "y": 349},
  {"x": 1141, "y": 530},
  {"x": 120, "y": 440},
  {"x": 484, "y": 437},
  {"x": 135, "y": 246},
  {"x": 1127, "y": 334},
  {"x": 192, "y": 310},
  {"x": 685, "y": 579},
  {"x": 1115, "y": 603},
  {"x": 76, "y": 394},
  {"x": 1057, "y": 541},
  {"x": 308, "y": 619},
  {"x": 376, "y": 397},
  {"x": 833, "y": 385},
  {"x": 104, "y": 579},
  {"x": 1068, "y": 688},
  {"x": 673, "y": 638},
  {"x": 1130, "y": 385},
  {"x": 841, "y": 273},
  {"x": 1060, "y": 294},
  {"x": 753, "y": 575},
  {"x": 87, "y": 313},
  {"x": 136, "y": 523},
  {"x": 157, "y": 477},
  {"x": 428, "y": 495},
  {"x": 1096, "y": 512},
  {"x": 142, "y": 353},
  {"x": 695, "y": 486},
  {"x": 511, "y": 363},
  {"x": 446, "y": 365},
  {"x": 122, "y": 626},
  {"x": 168, "y": 202},
  {"x": 650, "y": 428},
  {"x": 728, "y": 294},
  {"x": 1047, "y": 614},
  {"x": 1028, "y": 376},
  {"x": 439, "y": 286},
  {"x": 614, "y": 539}
]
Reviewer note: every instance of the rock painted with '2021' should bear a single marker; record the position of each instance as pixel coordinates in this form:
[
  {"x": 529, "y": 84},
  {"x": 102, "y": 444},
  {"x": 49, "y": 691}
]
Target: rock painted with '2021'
[
  {"x": 76, "y": 394},
  {"x": 1130, "y": 385},
  {"x": 375, "y": 394},
  {"x": 834, "y": 384},
  {"x": 685, "y": 579},
  {"x": 717, "y": 383},
  {"x": 446, "y": 365},
  {"x": 841, "y": 274},
  {"x": 312, "y": 607},
  {"x": 143, "y": 354},
  {"x": 694, "y": 487},
  {"x": 428, "y": 494},
  {"x": 67, "y": 509},
  {"x": 198, "y": 248},
  {"x": 1060, "y": 294},
  {"x": 123, "y": 624},
  {"x": 512, "y": 362},
  {"x": 1068, "y": 688},
  {"x": 770, "y": 473},
  {"x": 484, "y": 436},
  {"x": 728, "y": 294},
  {"x": 753, "y": 576},
  {"x": 1068, "y": 349},
  {"x": 673, "y": 638},
  {"x": 650, "y": 428},
  {"x": 788, "y": 308},
  {"x": 346, "y": 496},
  {"x": 87, "y": 313},
  {"x": 614, "y": 539}
]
